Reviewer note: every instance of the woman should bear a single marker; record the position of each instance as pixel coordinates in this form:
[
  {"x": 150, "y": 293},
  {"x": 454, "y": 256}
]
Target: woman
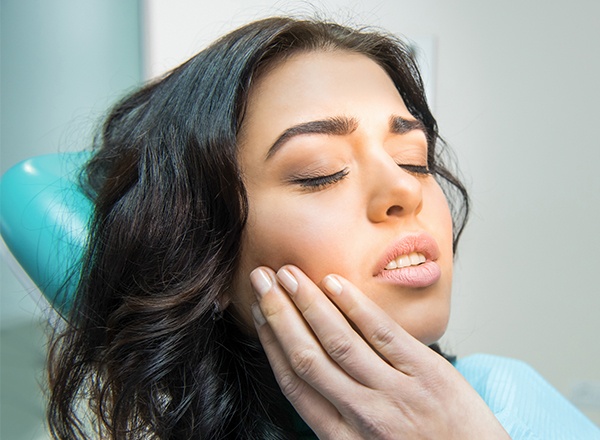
[{"x": 285, "y": 183}]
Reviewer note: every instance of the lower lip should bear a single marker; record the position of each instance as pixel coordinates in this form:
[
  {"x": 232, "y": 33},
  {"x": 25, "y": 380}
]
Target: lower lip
[{"x": 423, "y": 275}]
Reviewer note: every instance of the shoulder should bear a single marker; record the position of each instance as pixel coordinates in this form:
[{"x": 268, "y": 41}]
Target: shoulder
[
  {"x": 484, "y": 372},
  {"x": 523, "y": 401}
]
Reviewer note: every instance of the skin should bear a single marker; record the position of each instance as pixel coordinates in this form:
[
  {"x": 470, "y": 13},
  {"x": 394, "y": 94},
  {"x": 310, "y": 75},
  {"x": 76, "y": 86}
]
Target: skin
[
  {"x": 348, "y": 350},
  {"x": 344, "y": 227}
]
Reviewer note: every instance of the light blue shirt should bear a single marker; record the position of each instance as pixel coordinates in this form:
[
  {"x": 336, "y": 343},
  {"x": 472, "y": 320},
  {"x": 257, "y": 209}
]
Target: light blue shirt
[{"x": 526, "y": 405}]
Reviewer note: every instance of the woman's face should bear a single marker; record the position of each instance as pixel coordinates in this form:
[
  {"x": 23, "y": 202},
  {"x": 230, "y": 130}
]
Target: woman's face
[{"x": 334, "y": 166}]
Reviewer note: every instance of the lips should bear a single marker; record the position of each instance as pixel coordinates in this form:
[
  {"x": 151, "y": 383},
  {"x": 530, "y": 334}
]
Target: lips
[{"x": 410, "y": 262}]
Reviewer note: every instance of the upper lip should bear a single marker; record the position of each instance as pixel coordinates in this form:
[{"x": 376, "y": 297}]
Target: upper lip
[{"x": 421, "y": 242}]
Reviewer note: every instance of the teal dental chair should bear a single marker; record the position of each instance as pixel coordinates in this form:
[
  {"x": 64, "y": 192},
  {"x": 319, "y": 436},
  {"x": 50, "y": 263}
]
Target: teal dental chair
[{"x": 44, "y": 218}]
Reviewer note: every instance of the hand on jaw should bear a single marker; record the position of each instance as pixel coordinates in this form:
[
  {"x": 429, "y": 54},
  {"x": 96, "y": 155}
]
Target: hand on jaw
[{"x": 376, "y": 382}]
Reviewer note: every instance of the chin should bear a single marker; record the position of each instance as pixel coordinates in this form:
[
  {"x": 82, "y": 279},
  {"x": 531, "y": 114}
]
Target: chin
[
  {"x": 429, "y": 330},
  {"x": 431, "y": 338}
]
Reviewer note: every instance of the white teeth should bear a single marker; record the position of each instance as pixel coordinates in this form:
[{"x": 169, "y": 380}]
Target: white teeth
[
  {"x": 403, "y": 261},
  {"x": 412, "y": 259}
]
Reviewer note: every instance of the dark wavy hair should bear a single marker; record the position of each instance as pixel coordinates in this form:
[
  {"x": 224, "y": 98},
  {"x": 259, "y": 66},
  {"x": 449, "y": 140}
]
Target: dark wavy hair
[{"x": 143, "y": 352}]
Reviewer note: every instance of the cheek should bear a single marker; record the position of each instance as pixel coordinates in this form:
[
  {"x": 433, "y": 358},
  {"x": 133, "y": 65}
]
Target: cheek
[
  {"x": 280, "y": 233},
  {"x": 444, "y": 223},
  {"x": 440, "y": 224},
  {"x": 295, "y": 233}
]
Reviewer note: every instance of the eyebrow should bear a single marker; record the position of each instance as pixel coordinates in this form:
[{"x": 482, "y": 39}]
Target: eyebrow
[
  {"x": 337, "y": 126},
  {"x": 340, "y": 126},
  {"x": 400, "y": 125}
]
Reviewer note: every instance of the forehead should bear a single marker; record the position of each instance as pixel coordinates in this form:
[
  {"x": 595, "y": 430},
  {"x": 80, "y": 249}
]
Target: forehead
[
  {"x": 318, "y": 81},
  {"x": 316, "y": 85}
]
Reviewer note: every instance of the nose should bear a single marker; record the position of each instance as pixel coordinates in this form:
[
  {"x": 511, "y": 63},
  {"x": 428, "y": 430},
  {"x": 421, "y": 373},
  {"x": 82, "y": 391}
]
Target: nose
[{"x": 394, "y": 192}]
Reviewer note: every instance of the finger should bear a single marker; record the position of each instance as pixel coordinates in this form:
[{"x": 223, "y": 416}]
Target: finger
[
  {"x": 335, "y": 334},
  {"x": 301, "y": 348},
  {"x": 322, "y": 416},
  {"x": 386, "y": 336}
]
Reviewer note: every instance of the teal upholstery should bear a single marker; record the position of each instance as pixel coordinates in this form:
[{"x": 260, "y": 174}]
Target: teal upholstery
[{"x": 44, "y": 219}]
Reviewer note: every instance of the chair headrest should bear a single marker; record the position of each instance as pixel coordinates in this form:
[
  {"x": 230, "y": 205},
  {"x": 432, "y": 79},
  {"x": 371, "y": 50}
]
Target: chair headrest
[{"x": 44, "y": 220}]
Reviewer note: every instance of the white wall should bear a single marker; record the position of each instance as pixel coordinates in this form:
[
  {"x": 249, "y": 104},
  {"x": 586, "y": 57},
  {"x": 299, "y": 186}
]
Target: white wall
[{"x": 516, "y": 96}]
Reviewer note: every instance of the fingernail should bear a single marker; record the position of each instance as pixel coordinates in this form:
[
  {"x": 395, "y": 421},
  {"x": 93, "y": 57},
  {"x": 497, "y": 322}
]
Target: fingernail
[
  {"x": 332, "y": 285},
  {"x": 257, "y": 314},
  {"x": 261, "y": 282},
  {"x": 288, "y": 280}
]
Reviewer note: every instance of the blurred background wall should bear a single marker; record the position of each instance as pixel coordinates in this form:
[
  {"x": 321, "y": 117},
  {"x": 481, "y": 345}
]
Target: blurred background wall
[
  {"x": 63, "y": 62},
  {"x": 516, "y": 90}
]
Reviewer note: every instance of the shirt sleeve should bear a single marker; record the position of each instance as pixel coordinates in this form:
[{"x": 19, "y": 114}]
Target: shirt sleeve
[{"x": 527, "y": 406}]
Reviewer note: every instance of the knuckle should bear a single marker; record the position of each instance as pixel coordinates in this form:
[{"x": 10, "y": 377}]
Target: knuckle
[
  {"x": 304, "y": 362},
  {"x": 290, "y": 386},
  {"x": 374, "y": 429},
  {"x": 339, "y": 347},
  {"x": 382, "y": 336},
  {"x": 370, "y": 425}
]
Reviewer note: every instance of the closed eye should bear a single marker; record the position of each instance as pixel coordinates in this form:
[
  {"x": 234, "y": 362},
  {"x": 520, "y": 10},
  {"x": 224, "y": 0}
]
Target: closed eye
[
  {"x": 416, "y": 169},
  {"x": 318, "y": 182}
]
